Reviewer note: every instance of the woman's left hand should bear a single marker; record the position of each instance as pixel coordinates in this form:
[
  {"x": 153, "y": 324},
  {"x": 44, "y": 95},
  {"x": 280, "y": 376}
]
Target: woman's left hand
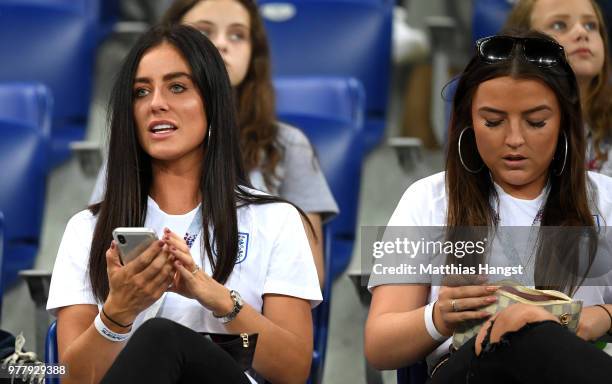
[
  {"x": 594, "y": 322},
  {"x": 192, "y": 282},
  {"x": 511, "y": 319}
]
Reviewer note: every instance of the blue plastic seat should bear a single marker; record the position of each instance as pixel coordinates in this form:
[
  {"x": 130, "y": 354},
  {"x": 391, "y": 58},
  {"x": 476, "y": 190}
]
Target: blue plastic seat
[
  {"x": 1, "y": 254},
  {"x": 54, "y": 42},
  {"x": 350, "y": 38},
  {"x": 51, "y": 354},
  {"x": 25, "y": 116},
  {"x": 489, "y": 17},
  {"x": 329, "y": 110}
]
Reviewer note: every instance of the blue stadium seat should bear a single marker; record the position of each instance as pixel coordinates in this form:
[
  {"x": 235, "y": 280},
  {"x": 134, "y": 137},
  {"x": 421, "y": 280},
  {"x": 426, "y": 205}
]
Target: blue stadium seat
[
  {"x": 489, "y": 16},
  {"x": 51, "y": 354},
  {"x": 25, "y": 117},
  {"x": 329, "y": 110},
  {"x": 349, "y": 38},
  {"x": 54, "y": 42},
  {"x": 1, "y": 254}
]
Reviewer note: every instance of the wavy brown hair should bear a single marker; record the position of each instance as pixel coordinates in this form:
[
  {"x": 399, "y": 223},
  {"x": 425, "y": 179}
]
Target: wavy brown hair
[
  {"x": 597, "y": 104},
  {"x": 254, "y": 95},
  {"x": 472, "y": 196}
]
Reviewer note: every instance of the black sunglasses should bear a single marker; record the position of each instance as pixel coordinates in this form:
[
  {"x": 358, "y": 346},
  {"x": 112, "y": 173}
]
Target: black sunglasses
[{"x": 540, "y": 52}]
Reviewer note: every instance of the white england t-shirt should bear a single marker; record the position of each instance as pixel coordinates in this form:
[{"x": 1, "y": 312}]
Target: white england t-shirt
[
  {"x": 274, "y": 258},
  {"x": 425, "y": 203}
]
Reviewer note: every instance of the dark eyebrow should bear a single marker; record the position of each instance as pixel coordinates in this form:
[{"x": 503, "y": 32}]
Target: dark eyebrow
[
  {"x": 167, "y": 77},
  {"x": 492, "y": 110},
  {"x": 537, "y": 109},
  {"x": 527, "y": 112}
]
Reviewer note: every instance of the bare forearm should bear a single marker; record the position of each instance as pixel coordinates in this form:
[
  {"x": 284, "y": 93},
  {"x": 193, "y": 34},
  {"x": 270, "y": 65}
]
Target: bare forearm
[
  {"x": 89, "y": 357},
  {"x": 397, "y": 339},
  {"x": 281, "y": 356}
]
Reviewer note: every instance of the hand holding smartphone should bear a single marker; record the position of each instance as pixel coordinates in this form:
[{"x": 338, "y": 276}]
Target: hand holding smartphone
[{"x": 132, "y": 241}]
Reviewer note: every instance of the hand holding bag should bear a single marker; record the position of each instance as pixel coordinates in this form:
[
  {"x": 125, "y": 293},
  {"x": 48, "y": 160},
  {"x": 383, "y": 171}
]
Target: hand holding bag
[{"x": 555, "y": 302}]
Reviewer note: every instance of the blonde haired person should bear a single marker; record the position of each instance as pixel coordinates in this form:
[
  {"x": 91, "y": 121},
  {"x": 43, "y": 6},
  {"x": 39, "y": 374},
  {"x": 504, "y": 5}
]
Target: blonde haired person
[{"x": 578, "y": 25}]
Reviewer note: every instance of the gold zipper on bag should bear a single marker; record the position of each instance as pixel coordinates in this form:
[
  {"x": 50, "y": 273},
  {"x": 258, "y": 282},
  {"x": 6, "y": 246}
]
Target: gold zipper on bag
[{"x": 245, "y": 340}]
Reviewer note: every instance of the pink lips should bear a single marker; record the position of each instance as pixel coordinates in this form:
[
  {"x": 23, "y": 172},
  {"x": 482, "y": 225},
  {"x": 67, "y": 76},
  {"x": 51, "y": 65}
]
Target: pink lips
[
  {"x": 514, "y": 160},
  {"x": 582, "y": 51},
  {"x": 160, "y": 129}
]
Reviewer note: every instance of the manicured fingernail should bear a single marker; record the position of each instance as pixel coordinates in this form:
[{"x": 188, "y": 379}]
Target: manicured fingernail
[
  {"x": 167, "y": 230},
  {"x": 160, "y": 243},
  {"x": 113, "y": 244},
  {"x": 167, "y": 237},
  {"x": 492, "y": 288},
  {"x": 491, "y": 299}
]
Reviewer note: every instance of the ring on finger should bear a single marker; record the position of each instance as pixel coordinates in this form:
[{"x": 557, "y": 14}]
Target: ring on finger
[
  {"x": 195, "y": 270},
  {"x": 454, "y": 305}
]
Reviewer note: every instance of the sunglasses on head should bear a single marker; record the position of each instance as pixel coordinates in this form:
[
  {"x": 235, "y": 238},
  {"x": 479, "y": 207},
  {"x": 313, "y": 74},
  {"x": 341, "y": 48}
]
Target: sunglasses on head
[{"x": 540, "y": 52}]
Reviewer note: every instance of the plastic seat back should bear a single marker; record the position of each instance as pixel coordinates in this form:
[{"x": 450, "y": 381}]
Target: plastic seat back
[
  {"x": 350, "y": 38},
  {"x": 329, "y": 110},
  {"x": 54, "y": 42},
  {"x": 25, "y": 116},
  {"x": 51, "y": 354},
  {"x": 489, "y": 17}
]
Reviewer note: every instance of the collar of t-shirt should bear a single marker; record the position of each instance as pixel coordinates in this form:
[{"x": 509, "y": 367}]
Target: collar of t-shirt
[
  {"x": 158, "y": 219},
  {"x": 517, "y": 212}
]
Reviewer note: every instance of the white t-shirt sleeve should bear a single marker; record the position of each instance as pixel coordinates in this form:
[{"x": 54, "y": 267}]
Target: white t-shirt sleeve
[
  {"x": 70, "y": 283},
  {"x": 291, "y": 269}
]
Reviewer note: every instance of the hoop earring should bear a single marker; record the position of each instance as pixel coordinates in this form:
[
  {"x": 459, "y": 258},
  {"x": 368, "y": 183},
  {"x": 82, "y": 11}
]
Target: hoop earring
[
  {"x": 564, "y": 156},
  {"x": 461, "y": 157}
]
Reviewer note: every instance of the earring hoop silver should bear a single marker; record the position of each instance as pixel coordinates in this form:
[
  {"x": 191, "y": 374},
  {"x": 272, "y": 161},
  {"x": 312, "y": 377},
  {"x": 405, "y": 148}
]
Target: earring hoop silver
[
  {"x": 564, "y": 155},
  {"x": 461, "y": 157}
]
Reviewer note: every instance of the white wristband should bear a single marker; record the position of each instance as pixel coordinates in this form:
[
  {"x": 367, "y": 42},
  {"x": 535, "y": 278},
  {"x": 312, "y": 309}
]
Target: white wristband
[
  {"x": 107, "y": 333},
  {"x": 429, "y": 324}
]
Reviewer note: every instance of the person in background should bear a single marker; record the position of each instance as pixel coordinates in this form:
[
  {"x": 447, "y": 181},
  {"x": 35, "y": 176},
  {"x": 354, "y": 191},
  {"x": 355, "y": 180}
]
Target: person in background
[{"x": 578, "y": 25}]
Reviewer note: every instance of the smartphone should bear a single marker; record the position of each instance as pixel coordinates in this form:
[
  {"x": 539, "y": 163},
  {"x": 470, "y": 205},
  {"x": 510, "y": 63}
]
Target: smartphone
[{"x": 132, "y": 241}]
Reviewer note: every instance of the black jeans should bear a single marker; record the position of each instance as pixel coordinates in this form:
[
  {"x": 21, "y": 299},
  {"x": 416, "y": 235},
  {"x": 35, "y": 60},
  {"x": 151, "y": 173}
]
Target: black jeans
[
  {"x": 162, "y": 351},
  {"x": 542, "y": 352}
]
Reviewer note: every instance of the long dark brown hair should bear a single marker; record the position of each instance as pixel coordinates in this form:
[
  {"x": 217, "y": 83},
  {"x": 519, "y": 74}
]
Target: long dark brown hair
[
  {"x": 472, "y": 196},
  {"x": 129, "y": 174},
  {"x": 254, "y": 95},
  {"x": 598, "y": 101}
]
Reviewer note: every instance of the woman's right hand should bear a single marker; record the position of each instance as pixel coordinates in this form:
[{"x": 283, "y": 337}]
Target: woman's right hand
[
  {"x": 457, "y": 304},
  {"x": 137, "y": 285}
]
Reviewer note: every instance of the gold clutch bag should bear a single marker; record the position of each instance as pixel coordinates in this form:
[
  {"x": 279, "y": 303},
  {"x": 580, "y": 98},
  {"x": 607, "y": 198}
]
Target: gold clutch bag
[{"x": 555, "y": 302}]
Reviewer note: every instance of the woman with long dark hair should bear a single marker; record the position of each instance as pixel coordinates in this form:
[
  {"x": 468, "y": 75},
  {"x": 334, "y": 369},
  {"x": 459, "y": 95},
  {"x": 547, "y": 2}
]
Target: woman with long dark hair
[
  {"x": 515, "y": 158},
  {"x": 230, "y": 260},
  {"x": 278, "y": 158}
]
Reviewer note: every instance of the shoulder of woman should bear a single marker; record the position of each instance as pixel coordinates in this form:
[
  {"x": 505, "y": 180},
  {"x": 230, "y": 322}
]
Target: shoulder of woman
[
  {"x": 431, "y": 187},
  {"x": 83, "y": 219},
  {"x": 290, "y": 135}
]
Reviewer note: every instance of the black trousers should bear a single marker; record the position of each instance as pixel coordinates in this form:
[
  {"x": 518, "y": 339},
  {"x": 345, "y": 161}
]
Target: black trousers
[
  {"x": 539, "y": 353},
  {"x": 162, "y": 351}
]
